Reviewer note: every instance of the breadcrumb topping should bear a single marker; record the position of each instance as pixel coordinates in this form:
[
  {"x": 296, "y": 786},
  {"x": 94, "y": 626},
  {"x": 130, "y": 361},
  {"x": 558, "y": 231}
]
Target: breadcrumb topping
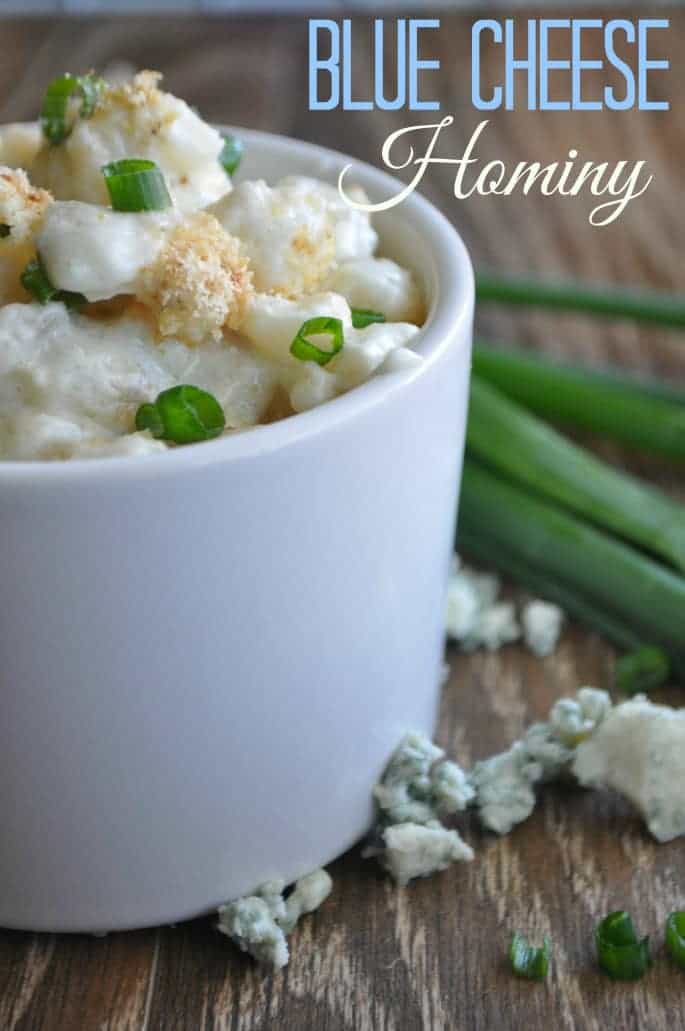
[
  {"x": 140, "y": 91},
  {"x": 22, "y": 205},
  {"x": 200, "y": 283}
]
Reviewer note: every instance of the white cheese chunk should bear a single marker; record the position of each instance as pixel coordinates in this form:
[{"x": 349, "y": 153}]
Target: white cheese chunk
[
  {"x": 504, "y": 788},
  {"x": 250, "y": 923},
  {"x": 639, "y": 750},
  {"x": 420, "y": 850},
  {"x": 308, "y": 894},
  {"x": 541, "y": 626},
  {"x": 259, "y": 923},
  {"x": 496, "y": 625}
]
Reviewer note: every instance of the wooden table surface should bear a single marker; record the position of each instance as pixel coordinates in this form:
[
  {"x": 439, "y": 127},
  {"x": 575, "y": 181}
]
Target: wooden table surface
[{"x": 431, "y": 955}]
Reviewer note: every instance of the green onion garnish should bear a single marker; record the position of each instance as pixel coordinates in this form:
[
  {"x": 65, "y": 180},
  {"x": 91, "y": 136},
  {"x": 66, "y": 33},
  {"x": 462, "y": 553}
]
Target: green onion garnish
[
  {"x": 675, "y": 936},
  {"x": 363, "y": 317},
  {"x": 5, "y": 230},
  {"x": 34, "y": 278},
  {"x": 306, "y": 351},
  {"x": 620, "y": 954},
  {"x": 232, "y": 154},
  {"x": 53, "y": 115},
  {"x": 529, "y": 960},
  {"x": 183, "y": 415},
  {"x": 136, "y": 184},
  {"x": 642, "y": 670}
]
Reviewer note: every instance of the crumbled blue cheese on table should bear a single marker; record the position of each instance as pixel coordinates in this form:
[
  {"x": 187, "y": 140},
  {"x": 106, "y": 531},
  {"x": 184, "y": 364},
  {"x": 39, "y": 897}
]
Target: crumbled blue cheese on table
[
  {"x": 504, "y": 788},
  {"x": 541, "y": 626},
  {"x": 419, "y": 850},
  {"x": 639, "y": 750},
  {"x": 477, "y": 618},
  {"x": 504, "y": 784},
  {"x": 418, "y": 787},
  {"x": 259, "y": 923},
  {"x": 497, "y": 625}
]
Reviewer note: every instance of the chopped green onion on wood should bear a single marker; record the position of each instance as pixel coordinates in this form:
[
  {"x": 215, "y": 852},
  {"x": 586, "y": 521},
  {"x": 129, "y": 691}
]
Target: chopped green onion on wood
[
  {"x": 621, "y": 955},
  {"x": 632, "y": 588},
  {"x": 528, "y": 960},
  {"x": 505, "y": 436},
  {"x": 644, "y": 413},
  {"x": 665, "y": 309},
  {"x": 675, "y": 937}
]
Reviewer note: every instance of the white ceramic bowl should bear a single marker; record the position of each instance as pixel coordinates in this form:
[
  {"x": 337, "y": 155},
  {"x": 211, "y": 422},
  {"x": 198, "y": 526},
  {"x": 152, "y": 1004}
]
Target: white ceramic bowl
[{"x": 208, "y": 655}]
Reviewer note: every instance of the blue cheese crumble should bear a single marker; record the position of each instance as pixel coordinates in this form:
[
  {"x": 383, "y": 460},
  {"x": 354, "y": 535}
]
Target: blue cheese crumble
[
  {"x": 639, "y": 751},
  {"x": 541, "y": 626},
  {"x": 419, "y": 850},
  {"x": 477, "y": 618},
  {"x": 504, "y": 785},
  {"x": 418, "y": 787},
  {"x": 259, "y": 923}
]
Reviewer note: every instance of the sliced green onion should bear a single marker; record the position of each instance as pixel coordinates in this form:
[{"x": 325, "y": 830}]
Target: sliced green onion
[
  {"x": 232, "y": 153},
  {"x": 149, "y": 418},
  {"x": 521, "y": 446},
  {"x": 675, "y": 936},
  {"x": 642, "y": 412},
  {"x": 53, "y": 115},
  {"x": 183, "y": 415},
  {"x": 5, "y": 230},
  {"x": 528, "y": 960},
  {"x": 642, "y": 670},
  {"x": 35, "y": 280},
  {"x": 620, "y": 954},
  {"x": 136, "y": 184},
  {"x": 665, "y": 309},
  {"x": 363, "y": 317},
  {"x": 631, "y": 588},
  {"x": 306, "y": 351}
]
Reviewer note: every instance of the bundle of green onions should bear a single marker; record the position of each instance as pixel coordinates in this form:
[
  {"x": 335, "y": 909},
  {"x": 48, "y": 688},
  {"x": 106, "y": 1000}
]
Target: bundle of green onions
[{"x": 607, "y": 547}]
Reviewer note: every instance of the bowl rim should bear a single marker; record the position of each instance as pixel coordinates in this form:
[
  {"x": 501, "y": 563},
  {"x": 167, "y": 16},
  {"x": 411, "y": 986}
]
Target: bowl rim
[{"x": 450, "y": 306}]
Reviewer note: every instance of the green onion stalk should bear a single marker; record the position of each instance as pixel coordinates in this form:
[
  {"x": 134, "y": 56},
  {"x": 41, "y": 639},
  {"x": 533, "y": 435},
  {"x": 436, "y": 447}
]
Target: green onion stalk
[
  {"x": 662, "y": 308},
  {"x": 505, "y": 436},
  {"x": 620, "y": 587},
  {"x": 641, "y": 412}
]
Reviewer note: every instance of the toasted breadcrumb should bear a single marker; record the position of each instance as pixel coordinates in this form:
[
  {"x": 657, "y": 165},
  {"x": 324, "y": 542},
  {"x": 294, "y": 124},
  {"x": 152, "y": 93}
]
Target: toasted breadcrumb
[
  {"x": 22, "y": 208},
  {"x": 139, "y": 91},
  {"x": 22, "y": 205},
  {"x": 200, "y": 283}
]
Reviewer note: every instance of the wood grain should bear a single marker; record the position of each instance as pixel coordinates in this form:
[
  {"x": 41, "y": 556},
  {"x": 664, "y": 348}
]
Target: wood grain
[{"x": 431, "y": 955}]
